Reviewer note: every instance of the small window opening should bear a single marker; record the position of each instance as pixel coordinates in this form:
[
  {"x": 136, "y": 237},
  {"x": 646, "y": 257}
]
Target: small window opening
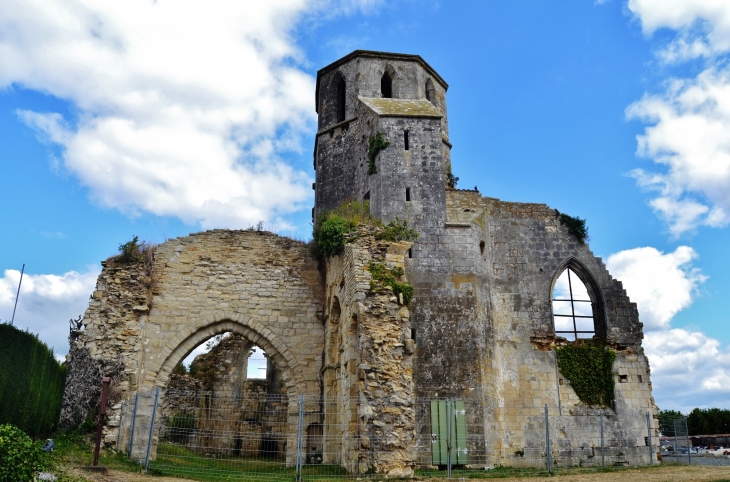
[
  {"x": 256, "y": 367},
  {"x": 341, "y": 100},
  {"x": 572, "y": 308},
  {"x": 481, "y": 247},
  {"x": 430, "y": 92},
  {"x": 413, "y": 333},
  {"x": 408, "y": 194},
  {"x": 405, "y": 139},
  {"x": 410, "y": 253},
  {"x": 386, "y": 86},
  {"x": 640, "y": 379},
  {"x": 366, "y": 196},
  {"x": 623, "y": 378}
]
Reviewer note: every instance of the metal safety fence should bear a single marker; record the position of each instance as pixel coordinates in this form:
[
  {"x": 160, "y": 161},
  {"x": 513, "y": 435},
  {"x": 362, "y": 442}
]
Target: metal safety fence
[
  {"x": 675, "y": 443},
  {"x": 294, "y": 438}
]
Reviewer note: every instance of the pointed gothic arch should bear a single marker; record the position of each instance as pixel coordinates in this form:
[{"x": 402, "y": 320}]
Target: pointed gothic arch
[
  {"x": 430, "y": 91},
  {"x": 387, "y": 81},
  {"x": 579, "y": 312}
]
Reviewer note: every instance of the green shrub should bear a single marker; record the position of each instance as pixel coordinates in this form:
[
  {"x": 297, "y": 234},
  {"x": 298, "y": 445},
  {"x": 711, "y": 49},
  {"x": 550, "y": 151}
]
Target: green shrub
[
  {"x": 382, "y": 276},
  {"x": 588, "y": 365},
  {"x": 376, "y": 144},
  {"x": 19, "y": 456},
  {"x": 451, "y": 180},
  {"x": 332, "y": 226},
  {"x": 31, "y": 382},
  {"x": 576, "y": 226},
  {"x": 130, "y": 252},
  {"x": 397, "y": 230},
  {"x": 331, "y": 235}
]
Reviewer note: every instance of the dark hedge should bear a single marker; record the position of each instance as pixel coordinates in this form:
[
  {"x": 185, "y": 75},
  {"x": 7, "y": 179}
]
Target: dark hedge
[{"x": 31, "y": 382}]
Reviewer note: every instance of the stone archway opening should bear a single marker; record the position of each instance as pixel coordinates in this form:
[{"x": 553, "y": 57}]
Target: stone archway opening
[{"x": 226, "y": 396}]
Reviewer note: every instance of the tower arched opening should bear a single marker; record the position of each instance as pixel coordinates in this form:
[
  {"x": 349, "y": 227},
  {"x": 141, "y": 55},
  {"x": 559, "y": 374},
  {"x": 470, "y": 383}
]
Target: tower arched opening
[{"x": 386, "y": 85}]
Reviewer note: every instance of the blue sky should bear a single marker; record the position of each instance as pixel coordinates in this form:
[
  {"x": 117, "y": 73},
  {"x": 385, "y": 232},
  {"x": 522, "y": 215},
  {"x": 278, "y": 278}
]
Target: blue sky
[{"x": 161, "y": 119}]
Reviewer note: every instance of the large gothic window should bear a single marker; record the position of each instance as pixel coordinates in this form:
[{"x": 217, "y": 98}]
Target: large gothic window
[{"x": 572, "y": 308}]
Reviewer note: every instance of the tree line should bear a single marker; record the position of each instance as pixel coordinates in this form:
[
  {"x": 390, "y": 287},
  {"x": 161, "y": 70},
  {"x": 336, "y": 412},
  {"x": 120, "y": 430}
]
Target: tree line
[{"x": 700, "y": 421}]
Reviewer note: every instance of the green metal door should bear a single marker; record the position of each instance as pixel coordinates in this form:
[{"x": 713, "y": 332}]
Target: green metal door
[{"x": 448, "y": 421}]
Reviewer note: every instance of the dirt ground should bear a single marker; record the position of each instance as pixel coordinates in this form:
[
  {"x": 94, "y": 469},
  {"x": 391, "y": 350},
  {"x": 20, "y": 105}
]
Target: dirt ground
[{"x": 662, "y": 474}]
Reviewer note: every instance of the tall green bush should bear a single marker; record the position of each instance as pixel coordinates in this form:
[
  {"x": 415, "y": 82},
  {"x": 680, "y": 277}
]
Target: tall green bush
[
  {"x": 19, "y": 456},
  {"x": 31, "y": 382}
]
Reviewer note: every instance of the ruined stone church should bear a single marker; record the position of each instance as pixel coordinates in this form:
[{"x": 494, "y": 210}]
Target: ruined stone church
[{"x": 483, "y": 324}]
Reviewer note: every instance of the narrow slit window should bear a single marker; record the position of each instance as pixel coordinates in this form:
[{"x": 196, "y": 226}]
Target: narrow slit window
[
  {"x": 408, "y": 194},
  {"x": 572, "y": 308},
  {"x": 341, "y": 100},
  {"x": 386, "y": 86},
  {"x": 410, "y": 253},
  {"x": 405, "y": 140}
]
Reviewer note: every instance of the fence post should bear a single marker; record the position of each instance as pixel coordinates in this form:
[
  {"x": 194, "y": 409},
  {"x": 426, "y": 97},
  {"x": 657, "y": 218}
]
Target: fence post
[
  {"x": 689, "y": 447},
  {"x": 152, "y": 429},
  {"x": 119, "y": 430},
  {"x": 603, "y": 455},
  {"x": 676, "y": 452},
  {"x": 547, "y": 439},
  {"x": 449, "y": 430},
  {"x": 648, "y": 432},
  {"x": 300, "y": 430},
  {"x": 134, "y": 421}
]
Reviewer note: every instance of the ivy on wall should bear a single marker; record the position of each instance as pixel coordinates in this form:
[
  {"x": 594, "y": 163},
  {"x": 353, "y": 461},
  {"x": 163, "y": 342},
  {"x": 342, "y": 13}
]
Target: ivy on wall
[
  {"x": 382, "y": 276},
  {"x": 376, "y": 144},
  {"x": 588, "y": 365},
  {"x": 576, "y": 226}
]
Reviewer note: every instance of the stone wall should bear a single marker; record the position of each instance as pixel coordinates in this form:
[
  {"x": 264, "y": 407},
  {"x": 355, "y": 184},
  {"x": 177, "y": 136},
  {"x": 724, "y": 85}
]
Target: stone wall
[
  {"x": 368, "y": 364},
  {"x": 261, "y": 286},
  {"x": 232, "y": 415}
]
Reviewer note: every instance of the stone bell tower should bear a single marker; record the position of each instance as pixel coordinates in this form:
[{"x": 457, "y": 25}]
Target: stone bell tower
[{"x": 402, "y": 98}]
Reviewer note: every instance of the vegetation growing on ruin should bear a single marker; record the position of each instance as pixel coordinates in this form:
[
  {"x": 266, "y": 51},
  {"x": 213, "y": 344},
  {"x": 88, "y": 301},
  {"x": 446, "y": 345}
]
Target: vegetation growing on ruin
[
  {"x": 130, "y": 252},
  {"x": 397, "y": 230},
  {"x": 576, "y": 226},
  {"x": 588, "y": 365},
  {"x": 382, "y": 276},
  {"x": 332, "y": 226},
  {"x": 451, "y": 180},
  {"x": 376, "y": 144},
  {"x": 331, "y": 230}
]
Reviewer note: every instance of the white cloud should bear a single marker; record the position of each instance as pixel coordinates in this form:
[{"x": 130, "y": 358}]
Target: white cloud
[
  {"x": 184, "y": 108},
  {"x": 660, "y": 284},
  {"x": 688, "y": 369},
  {"x": 703, "y": 26},
  {"x": 689, "y": 135},
  {"x": 691, "y": 139},
  {"x": 47, "y": 302}
]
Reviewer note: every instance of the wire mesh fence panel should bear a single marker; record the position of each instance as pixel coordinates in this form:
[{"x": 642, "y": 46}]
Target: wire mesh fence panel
[
  {"x": 222, "y": 436},
  {"x": 675, "y": 443},
  {"x": 226, "y": 435}
]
